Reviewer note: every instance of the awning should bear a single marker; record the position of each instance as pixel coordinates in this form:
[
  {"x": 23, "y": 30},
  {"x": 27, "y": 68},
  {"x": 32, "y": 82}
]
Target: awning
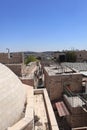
[{"x": 61, "y": 108}]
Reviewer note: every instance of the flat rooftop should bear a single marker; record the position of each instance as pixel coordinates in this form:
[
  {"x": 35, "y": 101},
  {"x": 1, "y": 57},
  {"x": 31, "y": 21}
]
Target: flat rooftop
[
  {"x": 77, "y": 66},
  {"x": 29, "y": 71},
  {"x": 58, "y": 69}
]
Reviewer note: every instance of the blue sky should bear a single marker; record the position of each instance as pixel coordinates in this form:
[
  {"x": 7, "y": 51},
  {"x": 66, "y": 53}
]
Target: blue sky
[{"x": 43, "y": 25}]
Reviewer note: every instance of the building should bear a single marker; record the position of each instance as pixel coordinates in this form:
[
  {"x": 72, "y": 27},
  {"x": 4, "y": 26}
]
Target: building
[
  {"x": 21, "y": 107},
  {"x": 11, "y": 58},
  {"x": 81, "y": 56},
  {"x": 57, "y": 77},
  {"x": 64, "y": 86},
  {"x": 59, "y": 56},
  {"x": 15, "y": 61}
]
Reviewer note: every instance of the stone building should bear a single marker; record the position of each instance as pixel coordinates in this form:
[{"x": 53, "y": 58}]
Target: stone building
[
  {"x": 56, "y": 78},
  {"x": 81, "y": 56},
  {"x": 21, "y": 107},
  {"x": 11, "y": 58},
  {"x": 64, "y": 86},
  {"x": 78, "y": 113},
  {"x": 59, "y": 56},
  {"x": 15, "y": 61}
]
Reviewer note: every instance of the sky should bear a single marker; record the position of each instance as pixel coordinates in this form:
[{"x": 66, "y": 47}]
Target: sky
[{"x": 43, "y": 25}]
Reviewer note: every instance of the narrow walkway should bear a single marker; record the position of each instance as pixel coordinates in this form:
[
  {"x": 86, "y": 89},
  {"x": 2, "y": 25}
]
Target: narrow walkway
[{"x": 41, "y": 121}]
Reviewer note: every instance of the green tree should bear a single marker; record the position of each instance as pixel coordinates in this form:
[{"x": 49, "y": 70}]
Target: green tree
[
  {"x": 70, "y": 56},
  {"x": 29, "y": 59}
]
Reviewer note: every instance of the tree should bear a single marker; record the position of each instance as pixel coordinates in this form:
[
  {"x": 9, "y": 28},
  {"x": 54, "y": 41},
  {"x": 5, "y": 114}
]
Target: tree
[
  {"x": 29, "y": 59},
  {"x": 70, "y": 56}
]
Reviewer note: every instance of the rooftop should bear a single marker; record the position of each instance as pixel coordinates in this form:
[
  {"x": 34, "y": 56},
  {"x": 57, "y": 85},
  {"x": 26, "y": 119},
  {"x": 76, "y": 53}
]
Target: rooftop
[
  {"x": 58, "y": 69},
  {"x": 77, "y": 66},
  {"x": 22, "y": 107}
]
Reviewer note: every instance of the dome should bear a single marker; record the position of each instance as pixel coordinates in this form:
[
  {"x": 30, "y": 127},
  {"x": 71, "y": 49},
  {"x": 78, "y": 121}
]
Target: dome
[{"x": 12, "y": 97}]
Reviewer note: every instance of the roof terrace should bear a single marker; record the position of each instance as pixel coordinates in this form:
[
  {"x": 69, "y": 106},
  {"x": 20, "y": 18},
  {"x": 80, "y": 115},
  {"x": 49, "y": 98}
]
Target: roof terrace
[{"x": 58, "y": 69}]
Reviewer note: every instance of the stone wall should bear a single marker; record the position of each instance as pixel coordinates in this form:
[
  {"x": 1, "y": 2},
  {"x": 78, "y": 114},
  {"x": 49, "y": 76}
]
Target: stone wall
[
  {"x": 28, "y": 81},
  {"x": 16, "y": 68},
  {"x": 81, "y": 56},
  {"x": 14, "y": 58},
  {"x": 54, "y": 88},
  {"x": 55, "y": 84},
  {"x": 74, "y": 81},
  {"x": 77, "y": 120},
  {"x": 77, "y": 116}
]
